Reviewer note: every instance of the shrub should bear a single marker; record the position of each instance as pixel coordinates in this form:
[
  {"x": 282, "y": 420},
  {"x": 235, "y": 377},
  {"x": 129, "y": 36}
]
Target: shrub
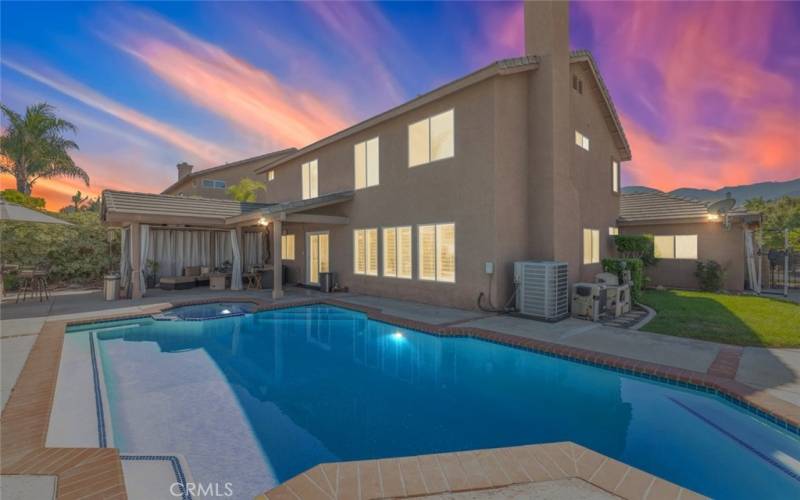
[
  {"x": 635, "y": 266},
  {"x": 14, "y": 196},
  {"x": 636, "y": 246},
  {"x": 79, "y": 254},
  {"x": 710, "y": 274}
]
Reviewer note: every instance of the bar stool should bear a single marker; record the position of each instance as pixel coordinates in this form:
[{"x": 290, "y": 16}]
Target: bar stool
[{"x": 35, "y": 282}]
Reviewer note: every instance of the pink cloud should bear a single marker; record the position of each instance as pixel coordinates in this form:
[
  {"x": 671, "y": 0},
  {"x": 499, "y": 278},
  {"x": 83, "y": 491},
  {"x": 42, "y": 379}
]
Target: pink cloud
[
  {"x": 723, "y": 116},
  {"x": 248, "y": 96},
  {"x": 194, "y": 147}
]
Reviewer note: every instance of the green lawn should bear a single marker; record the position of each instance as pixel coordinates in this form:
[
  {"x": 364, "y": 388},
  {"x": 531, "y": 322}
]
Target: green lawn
[{"x": 731, "y": 319}]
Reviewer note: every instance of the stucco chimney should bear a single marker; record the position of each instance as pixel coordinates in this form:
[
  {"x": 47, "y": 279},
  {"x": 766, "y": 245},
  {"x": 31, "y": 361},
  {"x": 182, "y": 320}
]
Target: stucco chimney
[
  {"x": 553, "y": 200},
  {"x": 184, "y": 169}
]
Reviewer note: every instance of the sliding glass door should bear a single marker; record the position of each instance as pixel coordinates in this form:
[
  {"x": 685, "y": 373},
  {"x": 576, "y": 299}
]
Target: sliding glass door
[{"x": 318, "y": 256}]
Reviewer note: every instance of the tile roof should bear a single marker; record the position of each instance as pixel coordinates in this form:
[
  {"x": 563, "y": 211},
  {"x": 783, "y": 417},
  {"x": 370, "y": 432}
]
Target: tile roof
[
  {"x": 641, "y": 207},
  {"x": 654, "y": 206},
  {"x": 268, "y": 158},
  {"x": 172, "y": 205}
]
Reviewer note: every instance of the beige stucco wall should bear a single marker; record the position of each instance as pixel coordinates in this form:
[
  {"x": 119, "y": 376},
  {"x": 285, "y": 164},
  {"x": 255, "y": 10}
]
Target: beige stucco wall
[
  {"x": 231, "y": 176},
  {"x": 597, "y": 204},
  {"x": 714, "y": 242},
  {"x": 457, "y": 190},
  {"x": 489, "y": 189}
]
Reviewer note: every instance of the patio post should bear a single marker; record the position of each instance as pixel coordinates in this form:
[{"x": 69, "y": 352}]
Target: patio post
[
  {"x": 277, "y": 259},
  {"x": 136, "y": 250}
]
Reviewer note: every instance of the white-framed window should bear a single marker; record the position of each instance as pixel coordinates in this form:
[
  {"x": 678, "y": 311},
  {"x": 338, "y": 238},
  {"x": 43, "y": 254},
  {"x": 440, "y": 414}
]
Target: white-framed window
[
  {"x": 310, "y": 180},
  {"x": 581, "y": 141},
  {"x": 613, "y": 231},
  {"x": 271, "y": 175},
  {"x": 365, "y": 251},
  {"x": 591, "y": 246},
  {"x": 287, "y": 247},
  {"x": 431, "y": 139},
  {"x": 367, "y": 163},
  {"x": 437, "y": 252},
  {"x": 681, "y": 246},
  {"x": 213, "y": 184},
  {"x": 615, "y": 176},
  {"x": 397, "y": 260}
]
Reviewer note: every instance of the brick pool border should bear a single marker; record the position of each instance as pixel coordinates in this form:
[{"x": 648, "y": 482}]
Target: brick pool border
[{"x": 97, "y": 472}]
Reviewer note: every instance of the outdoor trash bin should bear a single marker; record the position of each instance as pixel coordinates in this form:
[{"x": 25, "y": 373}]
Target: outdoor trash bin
[
  {"x": 111, "y": 286},
  {"x": 326, "y": 282}
]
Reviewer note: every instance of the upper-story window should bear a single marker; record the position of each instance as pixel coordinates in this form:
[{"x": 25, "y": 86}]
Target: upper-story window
[
  {"x": 581, "y": 141},
  {"x": 310, "y": 180},
  {"x": 271, "y": 175},
  {"x": 577, "y": 84},
  {"x": 367, "y": 163},
  {"x": 615, "y": 176},
  {"x": 213, "y": 184},
  {"x": 431, "y": 139}
]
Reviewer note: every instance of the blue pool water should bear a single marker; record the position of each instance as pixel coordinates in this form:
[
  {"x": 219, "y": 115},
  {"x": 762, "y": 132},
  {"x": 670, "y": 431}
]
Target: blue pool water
[{"x": 256, "y": 399}]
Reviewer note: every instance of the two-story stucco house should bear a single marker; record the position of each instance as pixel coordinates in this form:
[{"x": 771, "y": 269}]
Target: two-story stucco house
[{"x": 435, "y": 199}]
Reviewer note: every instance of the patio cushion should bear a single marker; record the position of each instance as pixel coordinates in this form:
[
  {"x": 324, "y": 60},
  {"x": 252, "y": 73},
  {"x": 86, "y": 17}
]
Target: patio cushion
[
  {"x": 177, "y": 279},
  {"x": 191, "y": 271}
]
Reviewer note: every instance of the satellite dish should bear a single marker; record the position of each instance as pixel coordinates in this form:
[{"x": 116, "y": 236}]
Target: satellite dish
[{"x": 721, "y": 208}]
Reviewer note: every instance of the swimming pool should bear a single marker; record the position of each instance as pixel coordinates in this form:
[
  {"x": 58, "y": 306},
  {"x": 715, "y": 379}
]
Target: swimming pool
[{"x": 256, "y": 399}]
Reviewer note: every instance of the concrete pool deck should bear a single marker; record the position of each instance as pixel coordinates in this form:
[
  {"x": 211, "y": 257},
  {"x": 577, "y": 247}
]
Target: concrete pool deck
[{"x": 25, "y": 417}]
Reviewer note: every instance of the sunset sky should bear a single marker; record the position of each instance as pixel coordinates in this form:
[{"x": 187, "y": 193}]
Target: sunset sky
[{"x": 708, "y": 93}]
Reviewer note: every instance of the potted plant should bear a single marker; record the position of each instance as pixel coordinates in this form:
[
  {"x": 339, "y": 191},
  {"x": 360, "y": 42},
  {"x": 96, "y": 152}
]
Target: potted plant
[{"x": 151, "y": 272}]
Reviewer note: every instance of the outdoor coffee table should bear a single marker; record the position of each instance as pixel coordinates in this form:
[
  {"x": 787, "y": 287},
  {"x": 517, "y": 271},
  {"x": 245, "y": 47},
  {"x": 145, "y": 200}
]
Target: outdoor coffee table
[{"x": 253, "y": 281}]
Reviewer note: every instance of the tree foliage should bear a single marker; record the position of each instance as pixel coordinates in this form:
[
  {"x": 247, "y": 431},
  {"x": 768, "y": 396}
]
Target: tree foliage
[
  {"x": 33, "y": 146},
  {"x": 77, "y": 254},
  {"x": 635, "y": 266},
  {"x": 22, "y": 199},
  {"x": 778, "y": 215},
  {"x": 246, "y": 190},
  {"x": 636, "y": 246}
]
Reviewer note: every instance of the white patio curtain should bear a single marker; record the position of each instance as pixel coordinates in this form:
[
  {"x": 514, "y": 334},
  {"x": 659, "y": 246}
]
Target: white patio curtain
[
  {"x": 253, "y": 249},
  {"x": 177, "y": 249},
  {"x": 125, "y": 258},
  {"x": 236, "y": 276},
  {"x": 753, "y": 273},
  {"x": 145, "y": 248},
  {"x": 222, "y": 249}
]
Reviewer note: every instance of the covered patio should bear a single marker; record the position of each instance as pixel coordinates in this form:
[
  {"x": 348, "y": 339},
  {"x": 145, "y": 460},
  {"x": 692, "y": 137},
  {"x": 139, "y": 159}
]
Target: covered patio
[{"x": 178, "y": 242}]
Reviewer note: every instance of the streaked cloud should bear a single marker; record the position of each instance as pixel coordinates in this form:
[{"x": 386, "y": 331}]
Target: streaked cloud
[
  {"x": 195, "y": 147},
  {"x": 701, "y": 104},
  {"x": 252, "y": 98}
]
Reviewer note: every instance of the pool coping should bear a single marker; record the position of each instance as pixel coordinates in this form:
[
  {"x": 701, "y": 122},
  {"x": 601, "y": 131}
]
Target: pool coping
[{"x": 86, "y": 472}]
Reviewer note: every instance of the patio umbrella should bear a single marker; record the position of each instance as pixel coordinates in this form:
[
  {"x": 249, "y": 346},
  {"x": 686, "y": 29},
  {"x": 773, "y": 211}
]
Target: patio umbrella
[{"x": 13, "y": 212}]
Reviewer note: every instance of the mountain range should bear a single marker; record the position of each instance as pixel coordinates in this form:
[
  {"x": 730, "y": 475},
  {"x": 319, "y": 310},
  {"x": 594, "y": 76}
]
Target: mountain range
[{"x": 766, "y": 190}]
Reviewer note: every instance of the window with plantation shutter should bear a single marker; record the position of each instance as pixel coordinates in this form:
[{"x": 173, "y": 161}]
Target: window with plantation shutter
[
  {"x": 427, "y": 252},
  {"x": 397, "y": 252},
  {"x": 287, "y": 247},
  {"x": 437, "y": 252},
  {"x": 446, "y": 252},
  {"x": 359, "y": 252},
  {"x": 682, "y": 246},
  {"x": 390, "y": 252},
  {"x": 365, "y": 251},
  {"x": 372, "y": 252}
]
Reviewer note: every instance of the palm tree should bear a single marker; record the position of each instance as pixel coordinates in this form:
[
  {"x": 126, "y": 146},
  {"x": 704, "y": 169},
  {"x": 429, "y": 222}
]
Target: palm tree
[
  {"x": 78, "y": 199},
  {"x": 32, "y": 147},
  {"x": 246, "y": 189}
]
